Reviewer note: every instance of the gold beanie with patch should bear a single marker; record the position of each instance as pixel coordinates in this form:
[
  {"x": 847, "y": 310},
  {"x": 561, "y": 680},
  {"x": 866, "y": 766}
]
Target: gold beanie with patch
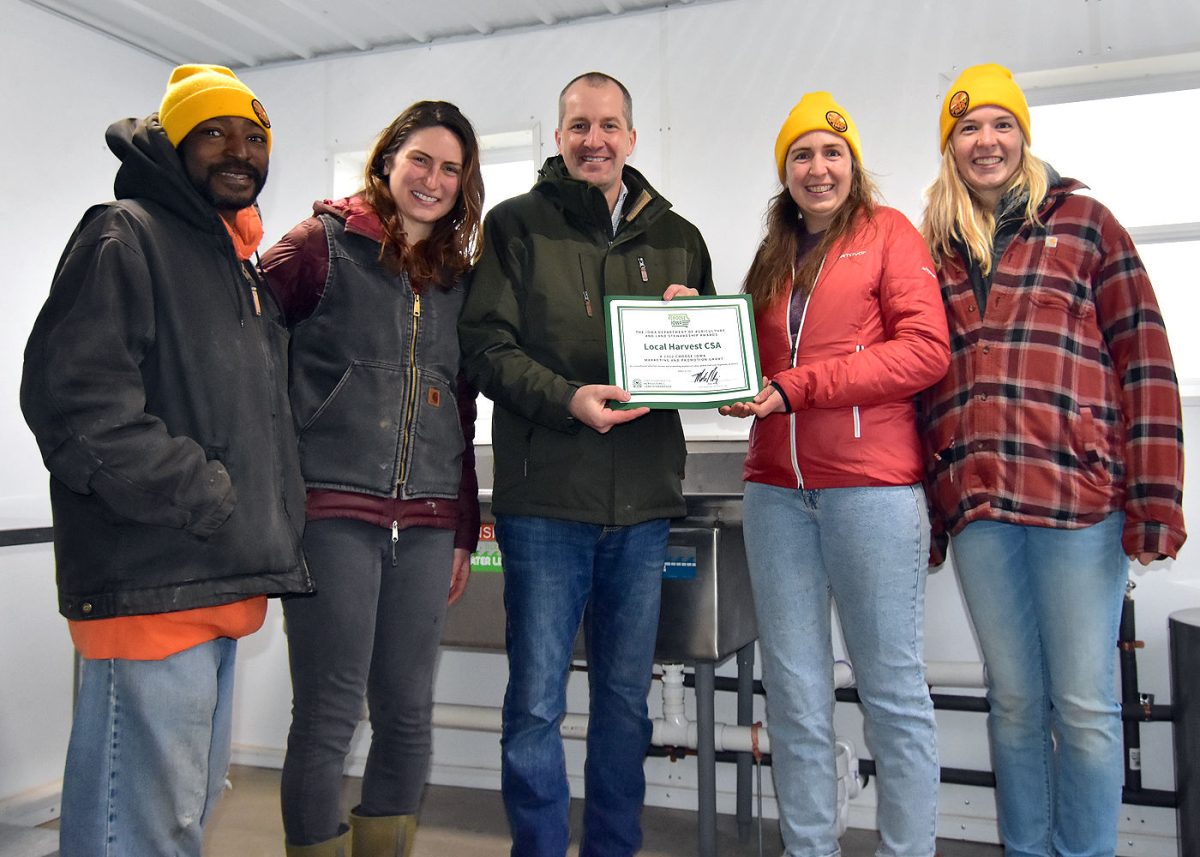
[
  {"x": 196, "y": 93},
  {"x": 982, "y": 86},
  {"x": 816, "y": 111}
]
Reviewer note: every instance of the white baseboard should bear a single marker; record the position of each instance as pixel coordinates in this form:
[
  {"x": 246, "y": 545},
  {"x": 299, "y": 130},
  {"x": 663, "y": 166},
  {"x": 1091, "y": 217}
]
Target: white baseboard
[{"x": 33, "y": 806}]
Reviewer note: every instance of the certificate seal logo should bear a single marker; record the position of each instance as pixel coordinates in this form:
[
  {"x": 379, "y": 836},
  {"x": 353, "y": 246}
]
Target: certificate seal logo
[{"x": 679, "y": 319}]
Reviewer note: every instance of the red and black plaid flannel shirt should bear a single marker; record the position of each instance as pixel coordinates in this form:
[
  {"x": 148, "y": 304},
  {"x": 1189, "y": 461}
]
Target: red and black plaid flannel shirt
[{"x": 1061, "y": 404}]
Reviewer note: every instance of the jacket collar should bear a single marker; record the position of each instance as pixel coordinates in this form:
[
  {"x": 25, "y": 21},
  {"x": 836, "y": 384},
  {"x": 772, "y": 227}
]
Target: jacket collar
[{"x": 585, "y": 203}]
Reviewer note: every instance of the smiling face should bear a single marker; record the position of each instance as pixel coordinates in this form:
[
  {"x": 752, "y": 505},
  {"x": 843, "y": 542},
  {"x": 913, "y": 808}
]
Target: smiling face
[
  {"x": 987, "y": 144},
  {"x": 226, "y": 160},
  {"x": 818, "y": 171},
  {"x": 424, "y": 176},
  {"x": 594, "y": 136}
]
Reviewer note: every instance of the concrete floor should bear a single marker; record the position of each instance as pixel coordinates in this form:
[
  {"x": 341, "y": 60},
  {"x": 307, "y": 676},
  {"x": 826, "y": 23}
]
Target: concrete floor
[{"x": 460, "y": 822}]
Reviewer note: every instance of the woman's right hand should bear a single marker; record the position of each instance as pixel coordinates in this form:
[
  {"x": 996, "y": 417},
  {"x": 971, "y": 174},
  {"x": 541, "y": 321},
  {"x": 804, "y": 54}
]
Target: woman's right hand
[
  {"x": 741, "y": 410},
  {"x": 768, "y": 401}
]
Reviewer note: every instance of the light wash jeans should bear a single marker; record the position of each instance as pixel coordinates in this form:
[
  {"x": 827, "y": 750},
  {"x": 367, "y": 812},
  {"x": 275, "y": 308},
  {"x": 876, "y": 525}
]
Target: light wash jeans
[
  {"x": 868, "y": 548},
  {"x": 1046, "y": 604},
  {"x": 553, "y": 570},
  {"x": 149, "y": 753}
]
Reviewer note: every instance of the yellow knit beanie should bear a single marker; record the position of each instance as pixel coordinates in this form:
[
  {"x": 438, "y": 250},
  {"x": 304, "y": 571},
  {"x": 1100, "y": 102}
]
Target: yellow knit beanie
[
  {"x": 196, "y": 93},
  {"x": 980, "y": 85},
  {"x": 816, "y": 111}
]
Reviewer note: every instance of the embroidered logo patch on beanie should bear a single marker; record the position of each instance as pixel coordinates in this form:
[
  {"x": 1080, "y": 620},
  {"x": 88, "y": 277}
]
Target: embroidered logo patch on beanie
[
  {"x": 260, "y": 112},
  {"x": 836, "y": 121},
  {"x": 959, "y": 102}
]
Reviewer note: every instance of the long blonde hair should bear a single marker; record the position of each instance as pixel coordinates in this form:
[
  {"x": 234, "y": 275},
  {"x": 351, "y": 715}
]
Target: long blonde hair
[{"x": 953, "y": 211}]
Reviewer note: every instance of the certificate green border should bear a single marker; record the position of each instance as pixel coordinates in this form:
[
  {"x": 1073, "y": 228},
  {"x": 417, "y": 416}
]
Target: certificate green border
[{"x": 683, "y": 303}]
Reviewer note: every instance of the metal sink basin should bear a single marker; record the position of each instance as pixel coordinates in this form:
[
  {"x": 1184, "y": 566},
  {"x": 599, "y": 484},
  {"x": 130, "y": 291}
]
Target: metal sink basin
[{"x": 707, "y": 609}]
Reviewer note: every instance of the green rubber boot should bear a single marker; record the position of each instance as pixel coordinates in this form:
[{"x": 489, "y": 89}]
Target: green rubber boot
[{"x": 382, "y": 836}]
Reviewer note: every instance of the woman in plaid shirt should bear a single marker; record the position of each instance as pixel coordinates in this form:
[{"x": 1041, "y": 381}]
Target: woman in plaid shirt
[{"x": 1055, "y": 455}]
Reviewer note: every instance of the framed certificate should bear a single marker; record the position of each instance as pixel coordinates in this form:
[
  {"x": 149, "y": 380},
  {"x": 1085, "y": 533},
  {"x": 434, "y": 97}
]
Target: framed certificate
[{"x": 696, "y": 352}]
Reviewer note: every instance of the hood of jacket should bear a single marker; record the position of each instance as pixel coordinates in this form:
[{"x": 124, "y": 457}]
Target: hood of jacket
[
  {"x": 584, "y": 204},
  {"x": 358, "y": 215},
  {"x": 152, "y": 169}
]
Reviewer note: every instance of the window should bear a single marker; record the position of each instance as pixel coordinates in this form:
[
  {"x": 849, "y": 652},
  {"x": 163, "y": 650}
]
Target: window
[
  {"x": 510, "y": 161},
  {"x": 1136, "y": 153}
]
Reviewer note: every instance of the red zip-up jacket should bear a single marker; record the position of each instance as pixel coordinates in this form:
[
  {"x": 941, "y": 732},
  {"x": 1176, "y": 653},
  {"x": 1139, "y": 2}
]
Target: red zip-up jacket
[
  {"x": 873, "y": 335},
  {"x": 1061, "y": 405}
]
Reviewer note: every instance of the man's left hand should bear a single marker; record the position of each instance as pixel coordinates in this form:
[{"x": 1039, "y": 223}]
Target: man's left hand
[
  {"x": 675, "y": 290},
  {"x": 589, "y": 406}
]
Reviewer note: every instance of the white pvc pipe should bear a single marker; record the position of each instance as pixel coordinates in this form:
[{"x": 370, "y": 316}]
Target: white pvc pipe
[{"x": 674, "y": 729}]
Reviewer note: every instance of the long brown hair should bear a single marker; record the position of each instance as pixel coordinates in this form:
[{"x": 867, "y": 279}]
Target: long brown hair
[
  {"x": 774, "y": 267},
  {"x": 454, "y": 244}
]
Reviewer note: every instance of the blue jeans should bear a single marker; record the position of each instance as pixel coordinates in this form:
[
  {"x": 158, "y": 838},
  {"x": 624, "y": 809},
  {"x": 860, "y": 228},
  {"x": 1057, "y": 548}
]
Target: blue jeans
[
  {"x": 553, "y": 570},
  {"x": 1046, "y": 604},
  {"x": 868, "y": 549},
  {"x": 372, "y": 629},
  {"x": 149, "y": 753}
]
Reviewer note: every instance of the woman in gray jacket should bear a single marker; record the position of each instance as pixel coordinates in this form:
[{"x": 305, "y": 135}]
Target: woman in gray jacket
[{"x": 372, "y": 288}]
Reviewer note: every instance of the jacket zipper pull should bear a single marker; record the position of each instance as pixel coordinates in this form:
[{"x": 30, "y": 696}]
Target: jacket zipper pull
[
  {"x": 254, "y": 296},
  {"x": 642, "y": 268},
  {"x": 395, "y": 538},
  {"x": 416, "y": 304},
  {"x": 587, "y": 302}
]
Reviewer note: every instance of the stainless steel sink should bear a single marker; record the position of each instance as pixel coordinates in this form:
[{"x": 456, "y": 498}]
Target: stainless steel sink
[{"x": 707, "y": 609}]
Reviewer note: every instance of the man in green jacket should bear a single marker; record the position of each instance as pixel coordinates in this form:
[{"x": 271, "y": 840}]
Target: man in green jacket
[{"x": 582, "y": 493}]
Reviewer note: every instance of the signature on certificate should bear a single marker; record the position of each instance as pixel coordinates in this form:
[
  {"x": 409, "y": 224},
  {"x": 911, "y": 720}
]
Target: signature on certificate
[{"x": 706, "y": 376}]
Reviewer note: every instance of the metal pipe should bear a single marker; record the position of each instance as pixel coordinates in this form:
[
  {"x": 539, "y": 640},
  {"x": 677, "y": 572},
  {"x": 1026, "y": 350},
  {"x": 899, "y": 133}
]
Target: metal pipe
[
  {"x": 745, "y": 717},
  {"x": 1127, "y": 646},
  {"x": 706, "y": 762},
  {"x": 1184, "y": 634}
]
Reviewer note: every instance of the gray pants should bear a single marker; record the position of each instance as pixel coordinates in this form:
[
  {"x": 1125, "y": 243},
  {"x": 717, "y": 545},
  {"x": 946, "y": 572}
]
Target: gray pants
[{"x": 372, "y": 628}]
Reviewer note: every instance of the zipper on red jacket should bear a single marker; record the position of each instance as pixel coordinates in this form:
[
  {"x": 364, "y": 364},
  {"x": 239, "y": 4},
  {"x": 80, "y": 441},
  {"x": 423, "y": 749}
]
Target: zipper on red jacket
[
  {"x": 414, "y": 379},
  {"x": 795, "y": 351},
  {"x": 857, "y": 421}
]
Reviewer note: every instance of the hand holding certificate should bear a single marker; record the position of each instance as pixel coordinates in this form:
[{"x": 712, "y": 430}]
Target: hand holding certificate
[{"x": 690, "y": 352}]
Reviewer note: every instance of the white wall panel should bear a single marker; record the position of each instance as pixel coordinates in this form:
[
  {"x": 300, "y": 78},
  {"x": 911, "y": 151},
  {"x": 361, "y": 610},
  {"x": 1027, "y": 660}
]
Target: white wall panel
[
  {"x": 711, "y": 85},
  {"x": 62, "y": 87}
]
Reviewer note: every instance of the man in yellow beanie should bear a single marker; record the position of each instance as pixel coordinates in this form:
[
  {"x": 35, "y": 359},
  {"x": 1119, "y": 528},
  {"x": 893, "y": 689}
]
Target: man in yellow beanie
[{"x": 155, "y": 382}]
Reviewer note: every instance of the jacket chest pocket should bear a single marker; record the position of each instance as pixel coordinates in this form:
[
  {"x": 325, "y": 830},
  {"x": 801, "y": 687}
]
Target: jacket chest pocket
[
  {"x": 1059, "y": 292},
  {"x": 647, "y": 271}
]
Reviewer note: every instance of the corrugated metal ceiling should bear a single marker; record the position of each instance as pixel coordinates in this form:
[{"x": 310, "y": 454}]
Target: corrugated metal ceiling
[{"x": 265, "y": 32}]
